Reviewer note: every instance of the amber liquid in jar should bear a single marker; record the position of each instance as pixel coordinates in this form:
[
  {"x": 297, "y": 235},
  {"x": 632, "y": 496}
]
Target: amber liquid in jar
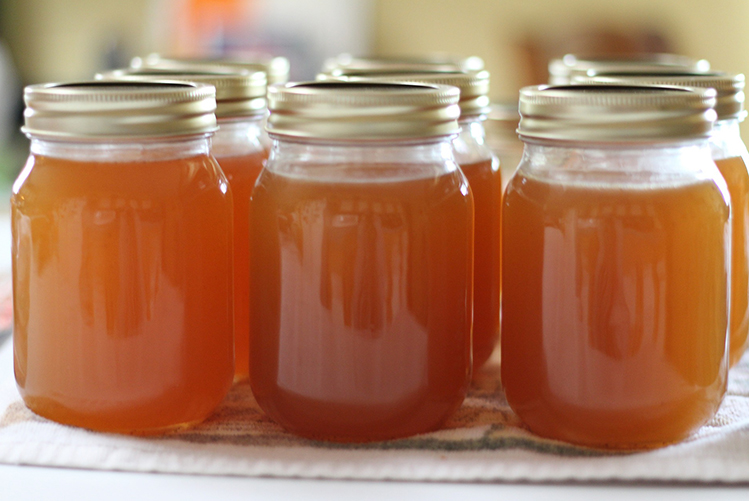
[
  {"x": 616, "y": 339},
  {"x": 125, "y": 269},
  {"x": 735, "y": 174},
  {"x": 360, "y": 308},
  {"x": 242, "y": 171},
  {"x": 485, "y": 180}
]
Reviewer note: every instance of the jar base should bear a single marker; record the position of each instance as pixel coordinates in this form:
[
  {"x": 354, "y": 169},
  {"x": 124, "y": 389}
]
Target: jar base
[
  {"x": 62, "y": 415},
  {"x": 618, "y": 446},
  {"x": 331, "y": 422},
  {"x": 620, "y": 431},
  {"x": 344, "y": 439}
]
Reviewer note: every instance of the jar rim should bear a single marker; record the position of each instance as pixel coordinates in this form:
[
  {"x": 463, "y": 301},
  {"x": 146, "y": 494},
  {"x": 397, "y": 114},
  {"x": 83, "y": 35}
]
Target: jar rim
[
  {"x": 366, "y": 110},
  {"x": 473, "y": 85},
  {"x": 239, "y": 92},
  {"x": 729, "y": 87},
  {"x": 418, "y": 62},
  {"x": 276, "y": 68},
  {"x": 93, "y": 110},
  {"x": 618, "y": 113},
  {"x": 563, "y": 69}
]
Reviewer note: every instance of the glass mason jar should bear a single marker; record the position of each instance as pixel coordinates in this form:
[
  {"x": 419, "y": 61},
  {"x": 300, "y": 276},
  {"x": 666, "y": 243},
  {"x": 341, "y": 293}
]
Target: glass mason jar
[
  {"x": 122, "y": 273},
  {"x": 236, "y": 145},
  {"x": 616, "y": 266},
  {"x": 240, "y": 154},
  {"x": 730, "y": 154},
  {"x": 481, "y": 168},
  {"x": 362, "y": 245},
  {"x": 501, "y": 137},
  {"x": 562, "y": 71},
  {"x": 731, "y": 157}
]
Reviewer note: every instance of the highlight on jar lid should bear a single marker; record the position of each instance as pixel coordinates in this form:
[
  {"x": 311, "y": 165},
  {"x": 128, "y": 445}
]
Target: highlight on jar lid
[
  {"x": 615, "y": 113},
  {"x": 345, "y": 63},
  {"x": 112, "y": 110},
  {"x": 363, "y": 110},
  {"x": 729, "y": 87},
  {"x": 474, "y": 86},
  {"x": 563, "y": 69},
  {"x": 276, "y": 68},
  {"x": 239, "y": 92}
]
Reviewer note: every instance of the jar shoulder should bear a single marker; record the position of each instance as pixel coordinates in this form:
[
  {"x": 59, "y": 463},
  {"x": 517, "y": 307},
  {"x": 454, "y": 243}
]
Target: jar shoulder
[
  {"x": 339, "y": 163},
  {"x": 46, "y": 180},
  {"x": 625, "y": 166}
]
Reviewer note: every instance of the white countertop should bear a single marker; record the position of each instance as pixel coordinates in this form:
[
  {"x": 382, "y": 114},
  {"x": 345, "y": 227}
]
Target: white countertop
[{"x": 19, "y": 483}]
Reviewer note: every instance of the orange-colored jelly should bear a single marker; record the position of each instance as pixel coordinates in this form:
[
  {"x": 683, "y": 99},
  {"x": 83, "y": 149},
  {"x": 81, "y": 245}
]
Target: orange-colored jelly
[
  {"x": 614, "y": 309},
  {"x": 735, "y": 174},
  {"x": 485, "y": 180},
  {"x": 361, "y": 315},
  {"x": 122, "y": 278},
  {"x": 242, "y": 172}
]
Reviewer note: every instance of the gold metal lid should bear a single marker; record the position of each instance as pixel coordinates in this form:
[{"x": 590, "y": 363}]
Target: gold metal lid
[
  {"x": 615, "y": 113},
  {"x": 239, "y": 92},
  {"x": 474, "y": 86},
  {"x": 363, "y": 110},
  {"x": 276, "y": 68},
  {"x": 344, "y": 63},
  {"x": 562, "y": 70},
  {"x": 119, "y": 110},
  {"x": 730, "y": 88}
]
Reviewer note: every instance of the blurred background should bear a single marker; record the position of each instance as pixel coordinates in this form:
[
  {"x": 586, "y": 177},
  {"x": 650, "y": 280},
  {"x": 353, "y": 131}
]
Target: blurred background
[{"x": 55, "y": 40}]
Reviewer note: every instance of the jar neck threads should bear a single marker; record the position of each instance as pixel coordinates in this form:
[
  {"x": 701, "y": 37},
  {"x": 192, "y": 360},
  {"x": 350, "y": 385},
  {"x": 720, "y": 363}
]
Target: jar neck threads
[
  {"x": 470, "y": 144},
  {"x": 236, "y": 137},
  {"x": 725, "y": 140},
  {"x": 122, "y": 151},
  {"x": 361, "y": 161}
]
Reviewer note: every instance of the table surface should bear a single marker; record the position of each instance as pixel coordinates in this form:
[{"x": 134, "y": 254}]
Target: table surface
[{"x": 21, "y": 483}]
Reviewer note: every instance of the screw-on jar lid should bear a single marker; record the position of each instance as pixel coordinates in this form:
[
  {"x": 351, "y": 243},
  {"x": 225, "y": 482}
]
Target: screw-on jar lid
[
  {"x": 344, "y": 63},
  {"x": 363, "y": 110},
  {"x": 474, "y": 86},
  {"x": 119, "y": 110},
  {"x": 275, "y": 67},
  {"x": 239, "y": 92},
  {"x": 730, "y": 88},
  {"x": 562, "y": 70},
  {"x": 616, "y": 113}
]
